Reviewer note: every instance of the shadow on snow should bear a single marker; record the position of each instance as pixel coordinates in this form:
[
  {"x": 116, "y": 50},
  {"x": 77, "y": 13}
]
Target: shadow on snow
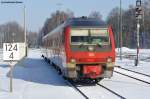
[{"x": 38, "y": 71}]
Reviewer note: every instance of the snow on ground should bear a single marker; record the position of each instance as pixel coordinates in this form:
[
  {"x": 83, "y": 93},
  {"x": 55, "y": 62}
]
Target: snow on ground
[
  {"x": 97, "y": 92},
  {"x": 132, "y": 89},
  {"x": 144, "y": 63},
  {"x": 127, "y": 87},
  {"x": 131, "y": 53}
]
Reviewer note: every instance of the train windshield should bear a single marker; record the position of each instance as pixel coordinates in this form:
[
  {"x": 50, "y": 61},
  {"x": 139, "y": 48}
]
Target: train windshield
[{"x": 98, "y": 36}]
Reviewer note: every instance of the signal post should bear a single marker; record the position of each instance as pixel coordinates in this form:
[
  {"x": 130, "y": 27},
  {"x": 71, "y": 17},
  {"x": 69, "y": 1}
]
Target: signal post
[{"x": 138, "y": 15}]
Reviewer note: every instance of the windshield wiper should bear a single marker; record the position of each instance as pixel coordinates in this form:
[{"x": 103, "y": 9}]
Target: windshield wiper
[
  {"x": 81, "y": 44},
  {"x": 99, "y": 44}
]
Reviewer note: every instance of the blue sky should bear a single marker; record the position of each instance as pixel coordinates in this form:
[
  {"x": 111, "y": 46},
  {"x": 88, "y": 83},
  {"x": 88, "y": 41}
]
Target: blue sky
[{"x": 38, "y": 10}]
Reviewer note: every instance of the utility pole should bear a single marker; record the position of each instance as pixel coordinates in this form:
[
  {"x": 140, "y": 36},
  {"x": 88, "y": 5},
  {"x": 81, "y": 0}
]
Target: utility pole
[
  {"x": 143, "y": 19},
  {"x": 118, "y": 33},
  {"x": 138, "y": 14},
  {"x": 25, "y": 32},
  {"x": 120, "y": 29}
]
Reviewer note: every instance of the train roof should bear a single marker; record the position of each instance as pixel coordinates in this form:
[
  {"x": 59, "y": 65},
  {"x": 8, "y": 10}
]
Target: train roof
[{"x": 86, "y": 22}]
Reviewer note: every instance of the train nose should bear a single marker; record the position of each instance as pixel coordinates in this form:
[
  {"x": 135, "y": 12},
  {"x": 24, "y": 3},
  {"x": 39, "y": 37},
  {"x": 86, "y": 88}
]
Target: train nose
[{"x": 92, "y": 71}]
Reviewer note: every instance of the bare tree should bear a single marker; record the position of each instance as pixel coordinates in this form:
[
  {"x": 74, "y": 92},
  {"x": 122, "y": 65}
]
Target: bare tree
[
  {"x": 56, "y": 18},
  {"x": 129, "y": 25},
  {"x": 95, "y": 14},
  {"x": 11, "y": 32}
]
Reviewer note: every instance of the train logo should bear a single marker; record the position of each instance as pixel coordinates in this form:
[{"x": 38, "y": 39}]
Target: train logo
[{"x": 91, "y": 54}]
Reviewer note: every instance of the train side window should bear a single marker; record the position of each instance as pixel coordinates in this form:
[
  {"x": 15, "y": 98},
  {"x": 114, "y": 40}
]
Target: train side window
[
  {"x": 48, "y": 42},
  {"x": 57, "y": 41},
  {"x": 63, "y": 37},
  {"x": 60, "y": 37},
  {"x": 52, "y": 42}
]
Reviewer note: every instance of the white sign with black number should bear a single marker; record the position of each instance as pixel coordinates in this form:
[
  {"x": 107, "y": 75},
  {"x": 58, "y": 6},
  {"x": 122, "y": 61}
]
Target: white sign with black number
[{"x": 11, "y": 51}]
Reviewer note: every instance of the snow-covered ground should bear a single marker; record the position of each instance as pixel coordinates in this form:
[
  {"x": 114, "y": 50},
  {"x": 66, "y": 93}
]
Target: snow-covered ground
[
  {"x": 35, "y": 79},
  {"x": 128, "y": 62}
]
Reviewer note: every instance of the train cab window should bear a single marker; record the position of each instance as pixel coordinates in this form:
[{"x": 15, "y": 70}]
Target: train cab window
[
  {"x": 90, "y": 36},
  {"x": 100, "y": 36},
  {"x": 78, "y": 36}
]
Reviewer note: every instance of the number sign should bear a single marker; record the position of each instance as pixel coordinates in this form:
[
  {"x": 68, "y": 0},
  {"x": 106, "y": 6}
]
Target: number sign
[{"x": 10, "y": 51}]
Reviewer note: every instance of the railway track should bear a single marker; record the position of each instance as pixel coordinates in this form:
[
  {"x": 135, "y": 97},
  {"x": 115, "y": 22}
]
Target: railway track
[
  {"x": 138, "y": 79},
  {"x": 134, "y": 71},
  {"x": 75, "y": 87},
  {"x": 102, "y": 86},
  {"x": 113, "y": 92}
]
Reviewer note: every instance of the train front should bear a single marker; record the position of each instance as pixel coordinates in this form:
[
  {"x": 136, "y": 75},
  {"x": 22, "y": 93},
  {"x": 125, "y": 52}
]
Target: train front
[{"x": 90, "y": 50}]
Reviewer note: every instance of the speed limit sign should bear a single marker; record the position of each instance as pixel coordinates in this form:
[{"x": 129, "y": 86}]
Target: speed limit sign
[{"x": 11, "y": 51}]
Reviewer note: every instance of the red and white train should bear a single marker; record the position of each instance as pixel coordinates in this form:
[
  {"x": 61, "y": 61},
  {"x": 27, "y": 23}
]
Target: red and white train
[{"x": 81, "y": 48}]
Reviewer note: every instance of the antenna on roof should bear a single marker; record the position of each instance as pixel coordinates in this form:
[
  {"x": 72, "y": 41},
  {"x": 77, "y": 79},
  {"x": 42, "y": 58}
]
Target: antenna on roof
[{"x": 84, "y": 17}]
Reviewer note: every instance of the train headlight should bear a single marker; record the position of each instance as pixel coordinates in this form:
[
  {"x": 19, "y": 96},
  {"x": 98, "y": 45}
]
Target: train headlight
[
  {"x": 90, "y": 48},
  {"x": 72, "y": 60},
  {"x": 109, "y": 60}
]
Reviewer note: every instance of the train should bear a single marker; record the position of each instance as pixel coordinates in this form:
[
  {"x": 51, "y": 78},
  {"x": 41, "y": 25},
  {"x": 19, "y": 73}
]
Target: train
[{"x": 81, "y": 49}]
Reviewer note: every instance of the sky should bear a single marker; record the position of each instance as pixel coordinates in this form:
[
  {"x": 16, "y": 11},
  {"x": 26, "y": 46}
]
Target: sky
[{"x": 37, "y": 11}]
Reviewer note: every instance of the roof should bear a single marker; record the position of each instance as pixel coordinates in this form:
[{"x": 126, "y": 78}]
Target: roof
[{"x": 86, "y": 22}]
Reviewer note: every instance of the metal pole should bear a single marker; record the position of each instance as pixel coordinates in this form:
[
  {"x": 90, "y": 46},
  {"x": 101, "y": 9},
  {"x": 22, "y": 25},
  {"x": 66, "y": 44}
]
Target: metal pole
[
  {"x": 118, "y": 40},
  {"x": 120, "y": 29},
  {"x": 138, "y": 40},
  {"x": 143, "y": 21},
  {"x": 11, "y": 69},
  {"x": 24, "y": 17},
  {"x": 11, "y": 77},
  {"x": 139, "y": 17},
  {"x": 25, "y": 32}
]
